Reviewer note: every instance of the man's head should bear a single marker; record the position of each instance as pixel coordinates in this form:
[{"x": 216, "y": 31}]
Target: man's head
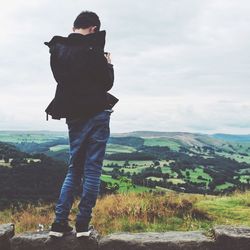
[{"x": 87, "y": 22}]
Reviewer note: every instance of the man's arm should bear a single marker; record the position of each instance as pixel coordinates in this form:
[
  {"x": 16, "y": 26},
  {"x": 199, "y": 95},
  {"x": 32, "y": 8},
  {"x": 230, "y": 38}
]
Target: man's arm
[
  {"x": 102, "y": 70},
  {"x": 111, "y": 77}
]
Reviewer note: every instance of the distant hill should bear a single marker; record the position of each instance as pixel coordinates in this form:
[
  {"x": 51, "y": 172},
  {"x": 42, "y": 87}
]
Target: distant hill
[
  {"x": 144, "y": 160},
  {"x": 232, "y": 138},
  {"x": 187, "y": 138}
]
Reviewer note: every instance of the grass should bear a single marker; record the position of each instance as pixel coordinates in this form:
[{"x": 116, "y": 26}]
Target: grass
[
  {"x": 224, "y": 186},
  {"x": 233, "y": 209},
  {"x": 144, "y": 212}
]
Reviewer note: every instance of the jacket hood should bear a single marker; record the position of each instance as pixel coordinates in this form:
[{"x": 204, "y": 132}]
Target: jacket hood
[{"x": 96, "y": 39}]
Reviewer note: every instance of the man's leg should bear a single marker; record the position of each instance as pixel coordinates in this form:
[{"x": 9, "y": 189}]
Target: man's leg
[
  {"x": 95, "y": 152},
  {"x": 77, "y": 138}
]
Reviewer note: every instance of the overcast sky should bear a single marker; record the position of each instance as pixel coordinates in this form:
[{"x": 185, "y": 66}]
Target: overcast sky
[{"x": 180, "y": 65}]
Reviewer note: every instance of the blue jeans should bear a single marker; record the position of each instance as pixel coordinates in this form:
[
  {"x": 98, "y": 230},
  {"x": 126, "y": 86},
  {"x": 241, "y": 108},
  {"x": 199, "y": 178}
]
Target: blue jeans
[{"x": 87, "y": 139}]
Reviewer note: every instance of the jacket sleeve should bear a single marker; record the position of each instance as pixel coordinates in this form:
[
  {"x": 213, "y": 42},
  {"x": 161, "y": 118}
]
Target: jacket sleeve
[
  {"x": 102, "y": 71},
  {"x": 111, "y": 76}
]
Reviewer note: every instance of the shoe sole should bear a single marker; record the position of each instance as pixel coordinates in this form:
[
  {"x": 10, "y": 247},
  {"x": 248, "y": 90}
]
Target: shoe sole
[
  {"x": 55, "y": 234},
  {"x": 59, "y": 234},
  {"x": 83, "y": 234}
]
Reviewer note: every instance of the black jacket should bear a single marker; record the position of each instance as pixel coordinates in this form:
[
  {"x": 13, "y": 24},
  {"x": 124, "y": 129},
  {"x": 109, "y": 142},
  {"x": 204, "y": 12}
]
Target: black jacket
[{"x": 83, "y": 76}]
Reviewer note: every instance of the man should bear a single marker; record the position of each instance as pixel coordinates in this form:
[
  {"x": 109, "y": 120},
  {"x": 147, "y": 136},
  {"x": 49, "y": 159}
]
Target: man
[{"x": 84, "y": 75}]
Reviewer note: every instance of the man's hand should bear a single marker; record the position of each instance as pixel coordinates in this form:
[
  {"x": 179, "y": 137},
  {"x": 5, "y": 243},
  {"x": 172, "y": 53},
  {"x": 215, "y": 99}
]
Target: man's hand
[{"x": 108, "y": 56}]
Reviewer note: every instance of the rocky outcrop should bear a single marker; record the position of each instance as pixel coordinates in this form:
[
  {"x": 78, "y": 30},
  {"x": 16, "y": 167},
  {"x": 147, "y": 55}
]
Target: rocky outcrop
[
  {"x": 7, "y": 231},
  {"x": 223, "y": 238},
  {"x": 156, "y": 241},
  {"x": 41, "y": 241},
  {"x": 235, "y": 238}
]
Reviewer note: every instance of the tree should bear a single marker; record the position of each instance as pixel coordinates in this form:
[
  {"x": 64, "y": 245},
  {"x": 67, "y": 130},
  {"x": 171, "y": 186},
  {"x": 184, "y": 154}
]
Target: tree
[
  {"x": 156, "y": 163},
  {"x": 126, "y": 163},
  {"x": 6, "y": 159},
  {"x": 125, "y": 182}
]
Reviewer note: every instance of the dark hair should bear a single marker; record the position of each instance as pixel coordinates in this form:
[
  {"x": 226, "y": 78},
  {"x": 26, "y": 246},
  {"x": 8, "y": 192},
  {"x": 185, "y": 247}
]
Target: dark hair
[{"x": 86, "y": 19}]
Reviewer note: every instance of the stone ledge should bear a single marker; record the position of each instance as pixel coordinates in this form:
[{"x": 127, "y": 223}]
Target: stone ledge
[
  {"x": 225, "y": 238},
  {"x": 42, "y": 241},
  {"x": 156, "y": 241},
  {"x": 7, "y": 231},
  {"x": 235, "y": 238}
]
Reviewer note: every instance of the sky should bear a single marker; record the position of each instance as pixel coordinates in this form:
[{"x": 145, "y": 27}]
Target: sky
[{"x": 179, "y": 65}]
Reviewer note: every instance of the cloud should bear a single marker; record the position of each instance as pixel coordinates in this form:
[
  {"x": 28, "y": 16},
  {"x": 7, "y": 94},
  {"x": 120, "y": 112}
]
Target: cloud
[
  {"x": 181, "y": 65},
  {"x": 183, "y": 113}
]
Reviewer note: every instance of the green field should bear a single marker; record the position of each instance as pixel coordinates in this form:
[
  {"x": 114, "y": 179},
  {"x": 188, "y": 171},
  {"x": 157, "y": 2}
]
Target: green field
[
  {"x": 5, "y": 164},
  {"x": 32, "y": 136},
  {"x": 110, "y": 162},
  {"x": 243, "y": 147},
  {"x": 244, "y": 171},
  {"x": 245, "y": 178},
  {"x": 133, "y": 170},
  {"x": 59, "y": 148},
  {"x": 176, "y": 181},
  {"x": 116, "y": 148},
  {"x": 168, "y": 170},
  {"x": 223, "y": 186},
  {"x": 153, "y": 178},
  {"x": 237, "y": 157},
  {"x": 108, "y": 169},
  {"x": 55, "y": 146},
  {"x": 131, "y": 163},
  {"x": 194, "y": 174},
  {"x": 123, "y": 186},
  {"x": 162, "y": 142},
  {"x": 137, "y": 166},
  {"x": 141, "y": 163}
]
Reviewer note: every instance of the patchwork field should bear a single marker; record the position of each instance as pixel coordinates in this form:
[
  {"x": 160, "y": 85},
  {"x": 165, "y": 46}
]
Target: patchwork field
[{"x": 172, "y": 160}]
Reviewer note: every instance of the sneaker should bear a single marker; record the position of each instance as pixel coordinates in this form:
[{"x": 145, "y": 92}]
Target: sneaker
[
  {"x": 82, "y": 230},
  {"x": 60, "y": 229}
]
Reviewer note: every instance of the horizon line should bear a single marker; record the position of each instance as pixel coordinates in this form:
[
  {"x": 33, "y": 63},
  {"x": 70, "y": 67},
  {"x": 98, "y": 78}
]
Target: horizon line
[{"x": 136, "y": 131}]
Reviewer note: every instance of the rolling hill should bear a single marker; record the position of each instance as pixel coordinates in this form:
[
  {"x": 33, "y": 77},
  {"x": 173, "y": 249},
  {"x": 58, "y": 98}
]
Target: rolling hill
[{"x": 181, "y": 161}]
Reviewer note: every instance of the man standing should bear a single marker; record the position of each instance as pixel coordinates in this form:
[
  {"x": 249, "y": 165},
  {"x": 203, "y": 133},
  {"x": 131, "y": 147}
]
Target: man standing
[{"x": 84, "y": 75}]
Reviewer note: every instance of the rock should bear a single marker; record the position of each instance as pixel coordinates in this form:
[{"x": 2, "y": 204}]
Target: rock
[
  {"x": 29, "y": 241},
  {"x": 6, "y": 232},
  {"x": 232, "y": 238},
  {"x": 42, "y": 241},
  {"x": 225, "y": 238},
  {"x": 156, "y": 241}
]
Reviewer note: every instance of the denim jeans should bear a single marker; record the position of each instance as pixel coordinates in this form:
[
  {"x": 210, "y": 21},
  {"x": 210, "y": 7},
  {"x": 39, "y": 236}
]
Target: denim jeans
[{"x": 87, "y": 139}]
